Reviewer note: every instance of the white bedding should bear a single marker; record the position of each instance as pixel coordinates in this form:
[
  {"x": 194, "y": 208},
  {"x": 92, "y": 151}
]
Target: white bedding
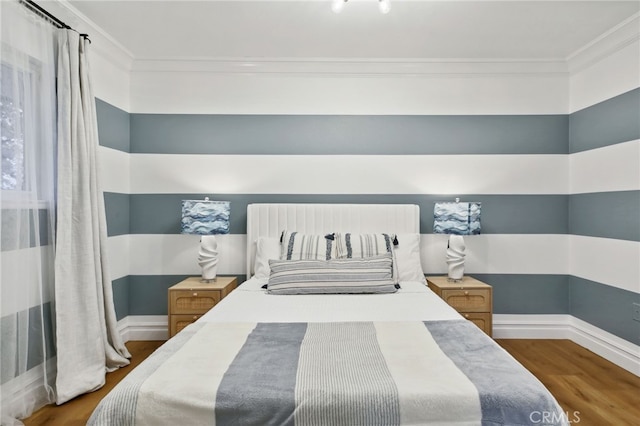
[
  {"x": 405, "y": 358},
  {"x": 414, "y": 301}
]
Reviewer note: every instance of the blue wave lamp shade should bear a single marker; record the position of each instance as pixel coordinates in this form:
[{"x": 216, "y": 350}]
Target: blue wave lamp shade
[
  {"x": 456, "y": 218},
  {"x": 204, "y": 217}
]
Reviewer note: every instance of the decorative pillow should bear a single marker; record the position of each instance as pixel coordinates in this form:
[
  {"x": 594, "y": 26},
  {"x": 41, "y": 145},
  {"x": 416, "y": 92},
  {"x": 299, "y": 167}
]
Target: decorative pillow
[
  {"x": 266, "y": 248},
  {"x": 407, "y": 257},
  {"x": 297, "y": 246},
  {"x": 350, "y": 245},
  {"x": 336, "y": 276}
]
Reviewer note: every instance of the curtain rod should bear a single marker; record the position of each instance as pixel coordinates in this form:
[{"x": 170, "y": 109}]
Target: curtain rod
[{"x": 35, "y": 8}]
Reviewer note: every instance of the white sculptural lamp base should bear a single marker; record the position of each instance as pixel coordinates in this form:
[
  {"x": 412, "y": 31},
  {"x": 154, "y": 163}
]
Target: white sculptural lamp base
[
  {"x": 208, "y": 257},
  {"x": 455, "y": 257}
]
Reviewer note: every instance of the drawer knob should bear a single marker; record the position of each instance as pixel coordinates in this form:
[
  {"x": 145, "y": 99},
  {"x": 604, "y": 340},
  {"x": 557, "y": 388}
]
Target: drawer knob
[
  {"x": 466, "y": 316},
  {"x": 195, "y": 294},
  {"x": 195, "y": 317},
  {"x": 466, "y": 293}
]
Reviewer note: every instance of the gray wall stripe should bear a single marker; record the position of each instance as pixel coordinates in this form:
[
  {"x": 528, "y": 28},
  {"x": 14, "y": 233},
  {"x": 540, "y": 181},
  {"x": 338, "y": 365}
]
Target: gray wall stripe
[
  {"x": 117, "y": 213},
  {"x": 501, "y": 214},
  {"x": 528, "y": 294},
  {"x": 120, "y": 288},
  {"x": 348, "y": 134},
  {"x": 606, "y": 123},
  {"x": 606, "y": 307},
  {"x": 113, "y": 126},
  {"x": 606, "y": 214},
  {"x": 513, "y": 293},
  {"x": 148, "y": 293}
]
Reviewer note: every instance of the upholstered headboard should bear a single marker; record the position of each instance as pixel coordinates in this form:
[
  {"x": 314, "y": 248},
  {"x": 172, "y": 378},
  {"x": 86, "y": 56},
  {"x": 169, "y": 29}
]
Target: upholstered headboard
[{"x": 269, "y": 220}]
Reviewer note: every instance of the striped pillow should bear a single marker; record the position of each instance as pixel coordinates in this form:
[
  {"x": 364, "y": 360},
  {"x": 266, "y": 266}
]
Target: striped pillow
[
  {"x": 336, "y": 276},
  {"x": 350, "y": 245},
  {"x": 297, "y": 246}
]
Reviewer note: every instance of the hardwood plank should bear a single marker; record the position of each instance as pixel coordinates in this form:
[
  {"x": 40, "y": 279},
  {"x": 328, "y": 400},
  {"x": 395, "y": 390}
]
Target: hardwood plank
[
  {"x": 77, "y": 411},
  {"x": 590, "y": 389}
]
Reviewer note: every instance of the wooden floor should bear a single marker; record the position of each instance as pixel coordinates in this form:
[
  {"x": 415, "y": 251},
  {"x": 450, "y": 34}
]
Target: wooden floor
[
  {"x": 591, "y": 390},
  {"x": 77, "y": 411}
]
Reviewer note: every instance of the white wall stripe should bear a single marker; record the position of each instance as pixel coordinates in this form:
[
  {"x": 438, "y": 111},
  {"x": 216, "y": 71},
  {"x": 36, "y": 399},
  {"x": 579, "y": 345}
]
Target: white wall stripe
[
  {"x": 492, "y": 253},
  {"x": 611, "y": 76},
  {"x": 350, "y": 174},
  {"x": 610, "y": 168},
  {"x": 210, "y": 92},
  {"x": 178, "y": 254},
  {"x": 500, "y": 254},
  {"x": 605, "y": 260},
  {"x": 118, "y": 250},
  {"x": 110, "y": 79},
  {"x": 114, "y": 166},
  {"x": 607, "y": 169}
]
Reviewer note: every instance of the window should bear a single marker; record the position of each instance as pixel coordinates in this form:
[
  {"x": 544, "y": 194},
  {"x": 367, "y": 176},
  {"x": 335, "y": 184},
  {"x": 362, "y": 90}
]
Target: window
[
  {"x": 27, "y": 135},
  {"x": 12, "y": 129}
]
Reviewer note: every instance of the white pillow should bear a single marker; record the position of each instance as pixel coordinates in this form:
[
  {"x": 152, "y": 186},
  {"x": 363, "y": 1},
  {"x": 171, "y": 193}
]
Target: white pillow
[
  {"x": 407, "y": 256},
  {"x": 266, "y": 248}
]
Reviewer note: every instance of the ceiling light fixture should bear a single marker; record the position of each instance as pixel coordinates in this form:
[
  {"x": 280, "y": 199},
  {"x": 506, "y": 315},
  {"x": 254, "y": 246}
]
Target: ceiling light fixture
[
  {"x": 338, "y": 5},
  {"x": 383, "y": 5}
]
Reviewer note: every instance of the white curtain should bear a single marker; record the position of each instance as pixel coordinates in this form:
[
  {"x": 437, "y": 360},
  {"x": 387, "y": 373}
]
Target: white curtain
[
  {"x": 27, "y": 209},
  {"x": 87, "y": 338}
]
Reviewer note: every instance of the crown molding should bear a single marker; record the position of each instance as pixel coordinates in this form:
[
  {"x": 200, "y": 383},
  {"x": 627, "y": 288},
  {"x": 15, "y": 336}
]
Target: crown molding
[
  {"x": 102, "y": 43},
  {"x": 350, "y": 67},
  {"x": 612, "y": 41},
  {"x": 106, "y": 46}
]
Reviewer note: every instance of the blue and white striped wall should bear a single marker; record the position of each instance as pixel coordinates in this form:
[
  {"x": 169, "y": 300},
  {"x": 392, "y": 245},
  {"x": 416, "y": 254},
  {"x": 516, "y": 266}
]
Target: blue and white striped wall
[{"x": 558, "y": 173}]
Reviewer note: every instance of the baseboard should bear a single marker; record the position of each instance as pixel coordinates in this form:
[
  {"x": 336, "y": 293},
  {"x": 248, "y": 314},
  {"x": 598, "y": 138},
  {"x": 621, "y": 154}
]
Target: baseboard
[
  {"x": 144, "y": 327},
  {"x": 612, "y": 348},
  {"x": 619, "y": 351},
  {"x": 531, "y": 326}
]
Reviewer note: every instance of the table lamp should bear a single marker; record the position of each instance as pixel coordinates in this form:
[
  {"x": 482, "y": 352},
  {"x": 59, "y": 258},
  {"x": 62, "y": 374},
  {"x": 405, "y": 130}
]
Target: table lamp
[
  {"x": 208, "y": 219},
  {"x": 456, "y": 219}
]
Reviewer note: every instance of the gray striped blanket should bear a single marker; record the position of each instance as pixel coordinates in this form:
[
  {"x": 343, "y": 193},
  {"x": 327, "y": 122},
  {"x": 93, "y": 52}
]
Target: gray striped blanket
[{"x": 349, "y": 373}]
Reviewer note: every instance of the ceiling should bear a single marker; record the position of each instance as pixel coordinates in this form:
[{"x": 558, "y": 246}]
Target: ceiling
[{"x": 308, "y": 29}]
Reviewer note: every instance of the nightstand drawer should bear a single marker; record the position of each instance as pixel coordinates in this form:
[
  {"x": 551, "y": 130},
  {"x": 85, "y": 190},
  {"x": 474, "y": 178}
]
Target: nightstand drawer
[
  {"x": 178, "y": 322},
  {"x": 193, "y": 301},
  {"x": 468, "y": 300},
  {"x": 481, "y": 319}
]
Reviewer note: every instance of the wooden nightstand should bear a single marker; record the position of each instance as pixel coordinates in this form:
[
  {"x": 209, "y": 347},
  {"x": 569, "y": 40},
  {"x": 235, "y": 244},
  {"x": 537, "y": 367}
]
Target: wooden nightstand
[
  {"x": 470, "y": 297},
  {"x": 189, "y": 299}
]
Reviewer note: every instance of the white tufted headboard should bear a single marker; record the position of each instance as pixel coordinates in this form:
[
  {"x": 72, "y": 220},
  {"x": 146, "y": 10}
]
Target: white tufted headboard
[{"x": 269, "y": 220}]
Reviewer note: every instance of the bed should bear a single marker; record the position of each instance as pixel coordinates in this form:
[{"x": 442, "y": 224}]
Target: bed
[{"x": 394, "y": 357}]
